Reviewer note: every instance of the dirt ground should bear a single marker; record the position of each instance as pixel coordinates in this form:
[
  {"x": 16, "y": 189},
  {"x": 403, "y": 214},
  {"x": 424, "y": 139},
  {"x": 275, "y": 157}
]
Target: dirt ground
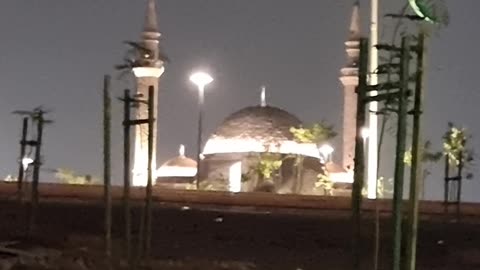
[{"x": 266, "y": 239}]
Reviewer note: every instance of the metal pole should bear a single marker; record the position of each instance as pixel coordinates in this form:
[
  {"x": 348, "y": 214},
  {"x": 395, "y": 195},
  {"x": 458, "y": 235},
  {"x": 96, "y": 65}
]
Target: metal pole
[
  {"x": 416, "y": 171},
  {"x": 107, "y": 196},
  {"x": 148, "y": 205},
  {"x": 21, "y": 169},
  {"x": 447, "y": 183},
  {"x": 126, "y": 176},
  {"x": 400, "y": 155},
  {"x": 359, "y": 162},
  {"x": 201, "y": 98},
  {"x": 459, "y": 180},
  {"x": 36, "y": 173},
  {"x": 372, "y": 162}
]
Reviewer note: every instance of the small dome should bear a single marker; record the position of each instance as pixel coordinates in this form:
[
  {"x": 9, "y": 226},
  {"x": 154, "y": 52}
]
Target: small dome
[
  {"x": 258, "y": 129},
  {"x": 180, "y": 166}
]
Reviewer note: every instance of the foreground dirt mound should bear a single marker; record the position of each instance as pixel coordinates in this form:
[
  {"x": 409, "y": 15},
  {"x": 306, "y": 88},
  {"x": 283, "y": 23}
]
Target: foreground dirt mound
[{"x": 34, "y": 254}]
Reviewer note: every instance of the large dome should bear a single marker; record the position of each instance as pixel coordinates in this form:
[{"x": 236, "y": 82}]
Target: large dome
[{"x": 258, "y": 129}]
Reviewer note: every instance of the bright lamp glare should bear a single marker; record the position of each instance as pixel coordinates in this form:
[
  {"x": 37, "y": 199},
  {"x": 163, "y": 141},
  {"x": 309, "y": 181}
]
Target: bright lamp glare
[
  {"x": 365, "y": 132},
  {"x": 26, "y": 161},
  {"x": 326, "y": 149},
  {"x": 201, "y": 79}
]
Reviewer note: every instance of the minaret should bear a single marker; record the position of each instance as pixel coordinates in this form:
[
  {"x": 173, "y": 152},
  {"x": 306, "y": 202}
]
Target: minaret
[
  {"x": 349, "y": 79},
  {"x": 147, "y": 74}
]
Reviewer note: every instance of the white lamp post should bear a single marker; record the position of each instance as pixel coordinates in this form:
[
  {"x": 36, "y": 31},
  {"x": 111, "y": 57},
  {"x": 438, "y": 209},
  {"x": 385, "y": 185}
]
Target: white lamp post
[
  {"x": 326, "y": 150},
  {"x": 372, "y": 156},
  {"x": 200, "y": 79}
]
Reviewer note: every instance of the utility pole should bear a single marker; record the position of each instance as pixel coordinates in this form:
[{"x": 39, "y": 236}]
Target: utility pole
[
  {"x": 148, "y": 199},
  {"x": 359, "y": 162},
  {"x": 389, "y": 92},
  {"x": 126, "y": 175},
  {"x": 144, "y": 239},
  {"x": 416, "y": 172},
  {"x": 400, "y": 153},
  {"x": 21, "y": 165},
  {"x": 107, "y": 115},
  {"x": 38, "y": 115}
]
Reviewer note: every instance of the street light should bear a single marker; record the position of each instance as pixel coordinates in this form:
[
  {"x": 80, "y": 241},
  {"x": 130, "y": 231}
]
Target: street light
[
  {"x": 326, "y": 150},
  {"x": 26, "y": 161},
  {"x": 371, "y": 185},
  {"x": 200, "y": 79},
  {"x": 365, "y": 133}
]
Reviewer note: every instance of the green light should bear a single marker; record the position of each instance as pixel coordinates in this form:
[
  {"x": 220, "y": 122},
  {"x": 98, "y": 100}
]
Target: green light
[{"x": 419, "y": 12}]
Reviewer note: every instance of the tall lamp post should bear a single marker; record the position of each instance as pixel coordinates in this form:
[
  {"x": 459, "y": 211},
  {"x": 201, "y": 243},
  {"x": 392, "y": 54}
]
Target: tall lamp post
[{"x": 200, "y": 79}]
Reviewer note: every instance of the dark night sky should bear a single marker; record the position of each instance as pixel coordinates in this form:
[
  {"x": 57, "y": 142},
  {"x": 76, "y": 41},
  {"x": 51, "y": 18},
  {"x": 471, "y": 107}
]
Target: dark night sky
[{"x": 54, "y": 53}]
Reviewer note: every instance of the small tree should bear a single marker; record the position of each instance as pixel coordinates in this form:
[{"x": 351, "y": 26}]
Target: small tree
[
  {"x": 428, "y": 157},
  {"x": 325, "y": 183},
  {"x": 317, "y": 134},
  {"x": 268, "y": 166},
  {"x": 456, "y": 148},
  {"x": 68, "y": 176}
]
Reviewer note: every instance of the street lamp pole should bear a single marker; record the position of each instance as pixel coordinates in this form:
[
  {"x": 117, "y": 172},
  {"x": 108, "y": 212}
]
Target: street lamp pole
[
  {"x": 200, "y": 79},
  {"x": 201, "y": 101}
]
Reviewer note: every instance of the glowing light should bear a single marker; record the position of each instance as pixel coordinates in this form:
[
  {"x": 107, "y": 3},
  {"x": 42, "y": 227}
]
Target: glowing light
[
  {"x": 235, "y": 177},
  {"x": 154, "y": 72},
  {"x": 176, "y": 171},
  {"x": 26, "y": 161},
  {"x": 140, "y": 169},
  {"x": 201, "y": 79},
  {"x": 181, "y": 150},
  {"x": 365, "y": 133},
  {"x": 263, "y": 97},
  {"x": 219, "y": 145},
  {"x": 326, "y": 149},
  {"x": 341, "y": 177},
  {"x": 418, "y": 10}
]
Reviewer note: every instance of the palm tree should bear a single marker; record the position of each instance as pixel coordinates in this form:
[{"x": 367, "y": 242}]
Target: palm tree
[
  {"x": 434, "y": 11},
  {"x": 137, "y": 55}
]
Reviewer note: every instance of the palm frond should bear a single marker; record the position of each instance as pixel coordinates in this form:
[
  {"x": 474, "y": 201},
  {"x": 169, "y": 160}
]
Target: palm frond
[{"x": 434, "y": 11}]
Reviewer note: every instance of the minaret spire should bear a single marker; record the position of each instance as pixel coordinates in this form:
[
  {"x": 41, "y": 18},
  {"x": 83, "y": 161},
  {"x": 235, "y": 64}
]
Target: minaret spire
[
  {"x": 147, "y": 74},
  {"x": 349, "y": 79},
  {"x": 355, "y": 22},
  {"x": 181, "y": 150},
  {"x": 151, "y": 18},
  {"x": 263, "y": 98}
]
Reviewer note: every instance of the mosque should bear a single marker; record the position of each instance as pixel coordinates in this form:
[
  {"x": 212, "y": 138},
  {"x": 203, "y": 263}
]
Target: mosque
[{"x": 253, "y": 136}]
